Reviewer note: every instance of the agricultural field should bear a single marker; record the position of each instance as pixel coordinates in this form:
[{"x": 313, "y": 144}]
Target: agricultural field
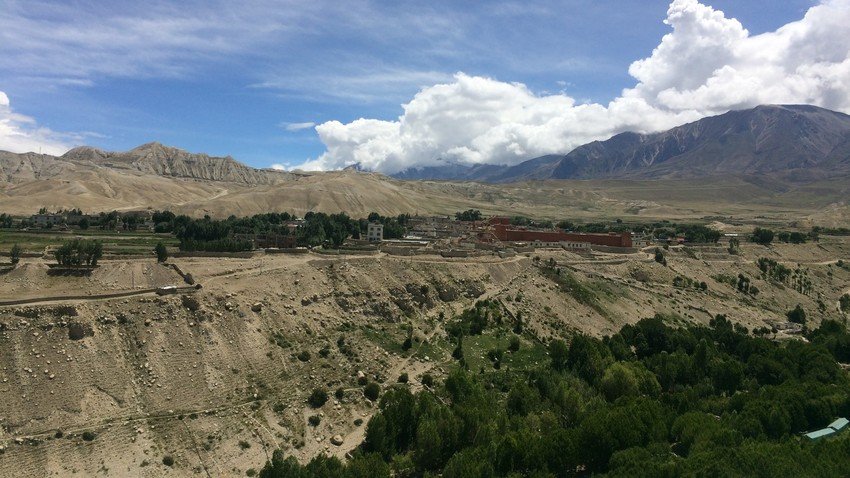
[{"x": 114, "y": 242}]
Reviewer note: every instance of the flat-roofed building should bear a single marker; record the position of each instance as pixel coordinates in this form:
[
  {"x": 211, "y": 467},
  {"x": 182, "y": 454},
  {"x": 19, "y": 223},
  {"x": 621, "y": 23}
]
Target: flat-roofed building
[
  {"x": 44, "y": 220},
  {"x": 820, "y": 434},
  {"x": 375, "y": 232},
  {"x": 839, "y": 424}
]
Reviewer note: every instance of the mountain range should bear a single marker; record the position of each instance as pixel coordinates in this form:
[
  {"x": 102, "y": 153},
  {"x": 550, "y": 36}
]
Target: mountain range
[
  {"x": 151, "y": 158},
  {"x": 796, "y": 143},
  {"x": 750, "y": 162}
]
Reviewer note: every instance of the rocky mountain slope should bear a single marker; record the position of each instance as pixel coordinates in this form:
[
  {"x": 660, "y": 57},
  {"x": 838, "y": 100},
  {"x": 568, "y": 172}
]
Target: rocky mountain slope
[
  {"x": 802, "y": 141},
  {"x": 799, "y": 143},
  {"x": 161, "y": 160},
  {"x": 148, "y": 159}
]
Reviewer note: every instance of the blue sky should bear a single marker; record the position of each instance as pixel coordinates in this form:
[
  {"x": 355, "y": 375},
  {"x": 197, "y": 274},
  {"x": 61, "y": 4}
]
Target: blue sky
[{"x": 251, "y": 80}]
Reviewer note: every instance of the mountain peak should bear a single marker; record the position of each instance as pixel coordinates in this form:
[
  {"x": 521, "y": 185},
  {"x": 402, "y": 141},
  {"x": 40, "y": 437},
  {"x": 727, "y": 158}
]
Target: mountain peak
[
  {"x": 799, "y": 142},
  {"x": 84, "y": 153},
  {"x": 148, "y": 146}
]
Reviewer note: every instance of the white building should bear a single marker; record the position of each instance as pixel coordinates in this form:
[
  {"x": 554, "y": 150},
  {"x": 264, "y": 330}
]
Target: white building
[{"x": 375, "y": 232}]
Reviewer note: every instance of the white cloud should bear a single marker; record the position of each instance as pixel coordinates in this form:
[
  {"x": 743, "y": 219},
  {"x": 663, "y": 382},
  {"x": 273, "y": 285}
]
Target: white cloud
[
  {"x": 280, "y": 167},
  {"x": 706, "y": 65},
  {"x": 297, "y": 126},
  {"x": 21, "y": 134}
]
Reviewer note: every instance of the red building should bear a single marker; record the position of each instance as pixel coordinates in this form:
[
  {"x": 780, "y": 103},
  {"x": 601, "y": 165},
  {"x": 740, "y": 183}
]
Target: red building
[{"x": 505, "y": 233}]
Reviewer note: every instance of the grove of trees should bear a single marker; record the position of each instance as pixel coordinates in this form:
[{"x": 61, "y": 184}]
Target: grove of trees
[
  {"x": 651, "y": 400},
  {"x": 316, "y": 229},
  {"x": 468, "y": 215},
  {"x": 79, "y": 252}
]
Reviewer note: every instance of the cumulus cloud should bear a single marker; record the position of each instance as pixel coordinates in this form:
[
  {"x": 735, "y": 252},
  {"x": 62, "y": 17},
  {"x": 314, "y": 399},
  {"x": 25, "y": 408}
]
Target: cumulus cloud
[
  {"x": 706, "y": 65},
  {"x": 20, "y": 134}
]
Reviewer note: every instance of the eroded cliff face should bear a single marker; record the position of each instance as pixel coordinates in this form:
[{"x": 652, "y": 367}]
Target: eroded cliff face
[{"x": 161, "y": 160}]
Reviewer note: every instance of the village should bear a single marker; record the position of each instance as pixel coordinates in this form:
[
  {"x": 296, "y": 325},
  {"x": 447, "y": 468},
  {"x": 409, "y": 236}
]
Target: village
[{"x": 450, "y": 237}]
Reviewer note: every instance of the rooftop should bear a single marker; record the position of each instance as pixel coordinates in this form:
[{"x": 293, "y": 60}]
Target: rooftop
[
  {"x": 839, "y": 424},
  {"x": 825, "y": 432}
]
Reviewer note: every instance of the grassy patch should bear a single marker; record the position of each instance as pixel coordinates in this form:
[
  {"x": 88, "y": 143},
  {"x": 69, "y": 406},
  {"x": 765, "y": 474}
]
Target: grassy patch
[
  {"x": 475, "y": 349},
  {"x": 569, "y": 284},
  {"x": 386, "y": 339},
  {"x": 114, "y": 242}
]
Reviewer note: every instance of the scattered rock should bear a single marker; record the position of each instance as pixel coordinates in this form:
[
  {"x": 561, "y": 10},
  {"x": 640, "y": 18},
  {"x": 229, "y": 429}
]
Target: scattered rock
[{"x": 337, "y": 440}]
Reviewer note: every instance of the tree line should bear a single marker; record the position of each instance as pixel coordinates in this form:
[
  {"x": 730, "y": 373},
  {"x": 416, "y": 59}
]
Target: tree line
[{"x": 315, "y": 229}]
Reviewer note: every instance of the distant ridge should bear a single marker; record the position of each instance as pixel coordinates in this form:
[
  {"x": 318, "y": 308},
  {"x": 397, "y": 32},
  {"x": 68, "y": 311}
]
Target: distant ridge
[
  {"x": 794, "y": 142},
  {"x": 161, "y": 160}
]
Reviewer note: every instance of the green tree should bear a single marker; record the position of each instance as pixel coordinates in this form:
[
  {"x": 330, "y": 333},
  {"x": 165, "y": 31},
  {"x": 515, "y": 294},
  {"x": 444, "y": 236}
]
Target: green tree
[
  {"x": 588, "y": 357},
  {"x": 365, "y": 466},
  {"x": 161, "y": 252},
  {"x": 659, "y": 256},
  {"x": 734, "y": 246},
  {"x": 762, "y": 236},
  {"x": 371, "y": 391},
  {"x": 318, "y": 397},
  {"x": 559, "y": 354},
  {"x": 15, "y": 253},
  {"x": 429, "y": 445},
  {"x": 469, "y": 463},
  {"x": 457, "y": 353},
  {"x": 618, "y": 381},
  {"x": 797, "y": 315},
  {"x": 797, "y": 238},
  {"x": 727, "y": 376}
]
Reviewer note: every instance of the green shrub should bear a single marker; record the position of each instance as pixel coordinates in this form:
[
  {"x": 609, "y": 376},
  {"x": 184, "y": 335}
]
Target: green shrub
[
  {"x": 318, "y": 398},
  {"x": 514, "y": 344},
  {"x": 371, "y": 391}
]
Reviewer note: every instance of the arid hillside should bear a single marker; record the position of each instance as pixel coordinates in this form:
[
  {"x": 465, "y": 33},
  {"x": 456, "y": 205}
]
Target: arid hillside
[
  {"x": 159, "y": 177},
  {"x": 218, "y": 378}
]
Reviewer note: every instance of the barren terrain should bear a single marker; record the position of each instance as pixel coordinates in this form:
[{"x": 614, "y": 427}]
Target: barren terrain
[{"x": 218, "y": 379}]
